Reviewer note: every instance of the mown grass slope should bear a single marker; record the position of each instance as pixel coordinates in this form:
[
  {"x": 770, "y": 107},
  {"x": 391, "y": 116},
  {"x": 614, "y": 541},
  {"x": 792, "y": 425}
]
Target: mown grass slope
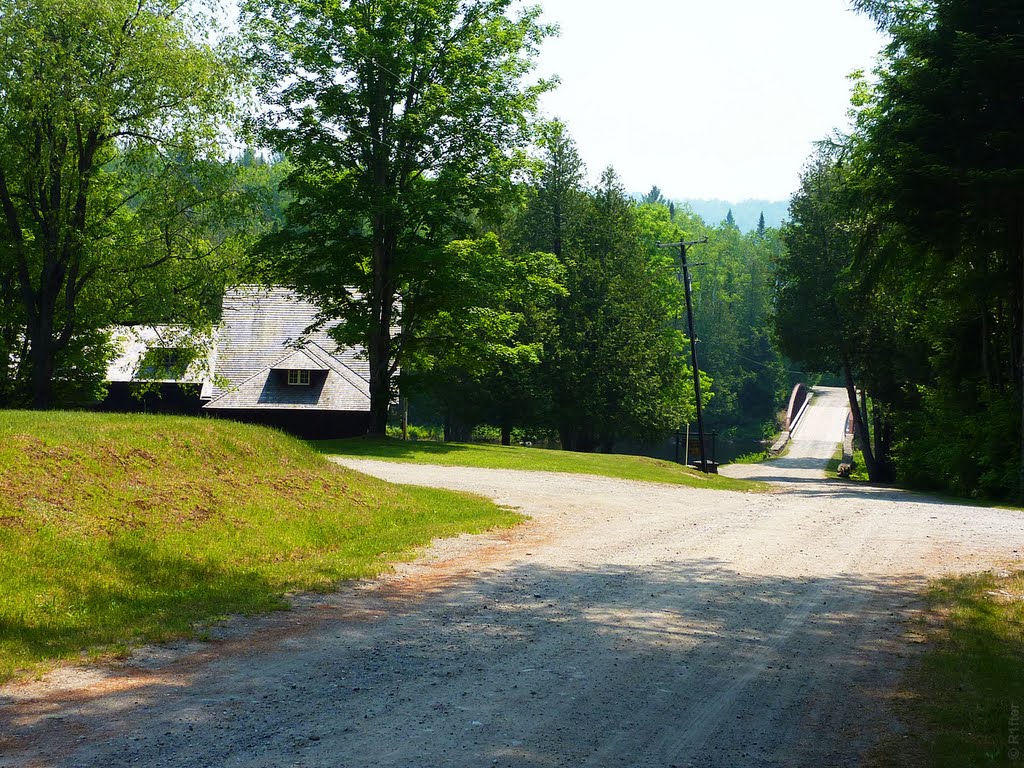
[
  {"x": 122, "y": 529},
  {"x": 537, "y": 459}
]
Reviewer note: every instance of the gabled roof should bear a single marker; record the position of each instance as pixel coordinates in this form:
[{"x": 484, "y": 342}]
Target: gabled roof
[
  {"x": 300, "y": 360},
  {"x": 262, "y": 335},
  {"x": 331, "y": 387},
  {"x": 259, "y": 326}
]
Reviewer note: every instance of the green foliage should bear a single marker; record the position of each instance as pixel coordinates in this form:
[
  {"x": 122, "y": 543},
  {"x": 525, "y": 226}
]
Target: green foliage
[
  {"x": 612, "y": 354},
  {"x": 957, "y": 443},
  {"x": 120, "y": 530},
  {"x": 115, "y": 208},
  {"x": 732, "y": 294},
  {"x": 415, "y": 432},
  {"x": 405, "y": 123},
  {"x": 812, "y": 312},
  {"x": 613, "y": 363},
  {"x": 910, "y": 235},
  {"x": 475, "y": 303},
  {"x": 654, "y": 197},
  {"x": 732, "y": 306}
]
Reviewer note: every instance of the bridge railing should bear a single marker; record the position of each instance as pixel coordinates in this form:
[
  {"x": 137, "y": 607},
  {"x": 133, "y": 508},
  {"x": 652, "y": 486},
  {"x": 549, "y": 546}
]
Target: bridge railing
[{"x": 798, "y": 401}]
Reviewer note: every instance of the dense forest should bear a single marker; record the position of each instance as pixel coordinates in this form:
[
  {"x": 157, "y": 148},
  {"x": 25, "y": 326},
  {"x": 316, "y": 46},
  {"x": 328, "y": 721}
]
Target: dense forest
[{"x": 400, "y": 175}]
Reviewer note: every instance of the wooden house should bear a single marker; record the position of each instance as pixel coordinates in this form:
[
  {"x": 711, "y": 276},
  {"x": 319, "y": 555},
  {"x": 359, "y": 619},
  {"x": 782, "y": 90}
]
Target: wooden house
[{"x": 263, "y": 368}]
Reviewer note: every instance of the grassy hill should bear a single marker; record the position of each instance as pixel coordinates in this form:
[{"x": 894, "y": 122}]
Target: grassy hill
[{"x": 120, "y": 529}]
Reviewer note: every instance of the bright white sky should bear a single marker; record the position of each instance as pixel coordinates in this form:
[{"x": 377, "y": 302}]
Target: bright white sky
[{"x": 705, "y": 98}]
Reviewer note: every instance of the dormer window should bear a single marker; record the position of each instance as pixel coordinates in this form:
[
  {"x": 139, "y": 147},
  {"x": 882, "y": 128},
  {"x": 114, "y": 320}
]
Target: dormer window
[{"x": 298, "y": 378}]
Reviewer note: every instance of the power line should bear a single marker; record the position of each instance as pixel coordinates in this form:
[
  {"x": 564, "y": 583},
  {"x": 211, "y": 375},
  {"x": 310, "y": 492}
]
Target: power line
[{"x": 693, "y": 341}]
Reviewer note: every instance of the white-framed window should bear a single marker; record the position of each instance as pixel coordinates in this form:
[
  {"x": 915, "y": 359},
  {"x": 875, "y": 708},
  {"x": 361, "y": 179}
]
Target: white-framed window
[{"x": 298, "y": 378}]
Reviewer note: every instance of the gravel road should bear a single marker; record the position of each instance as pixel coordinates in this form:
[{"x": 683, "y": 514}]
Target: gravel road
[{"x": 627, "y": 624}]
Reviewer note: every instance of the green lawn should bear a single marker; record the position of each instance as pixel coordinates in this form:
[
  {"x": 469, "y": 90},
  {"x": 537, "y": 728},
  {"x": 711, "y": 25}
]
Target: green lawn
[
  {"x": 515, "y": 457},
  {"x": 964, "y": 702},
  {"x": 117, "y": 530}
]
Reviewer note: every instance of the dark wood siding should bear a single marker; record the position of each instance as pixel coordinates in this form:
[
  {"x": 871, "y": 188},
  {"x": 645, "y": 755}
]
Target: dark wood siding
[
  {"x": 173, "y": 399},
  {"x": 307, "y": 424}
]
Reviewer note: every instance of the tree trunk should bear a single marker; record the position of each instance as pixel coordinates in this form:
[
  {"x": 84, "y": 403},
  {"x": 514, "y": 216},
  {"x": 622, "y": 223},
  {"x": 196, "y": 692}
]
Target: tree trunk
[
  {"x": 455, "y": 429},
  {"x": 42, "y": 351},
  {"x": 883, "y": 441},
  {"x": 860, "y": 428},
  {"x": 380, "y": 397},
  {"x": 506, "y": 435},
  {"x": 379, "y": 343},
  {"x": 577, "y": 439},
  {"x": 41, "y": 357}
]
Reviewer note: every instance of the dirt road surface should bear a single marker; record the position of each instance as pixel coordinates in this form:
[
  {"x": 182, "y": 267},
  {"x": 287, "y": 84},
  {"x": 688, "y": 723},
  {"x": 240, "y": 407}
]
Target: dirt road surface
[{"x": 627, "y": 624}]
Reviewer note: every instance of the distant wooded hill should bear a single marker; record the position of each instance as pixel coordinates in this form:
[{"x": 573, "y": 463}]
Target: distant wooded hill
[{"x": 746, "y": 212}]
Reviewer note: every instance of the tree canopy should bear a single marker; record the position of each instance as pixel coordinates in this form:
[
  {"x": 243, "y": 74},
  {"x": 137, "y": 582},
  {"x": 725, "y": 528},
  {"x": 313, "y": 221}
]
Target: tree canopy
[
  {"x": 406, "y": 124},
  {"x": 110, "y": 191}
]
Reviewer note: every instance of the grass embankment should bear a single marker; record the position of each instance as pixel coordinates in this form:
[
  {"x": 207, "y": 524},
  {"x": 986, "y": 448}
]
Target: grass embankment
[
  {"x": 965, "y": 700},
  {"x": 537, "y": 459},
  {"x": 121, "y": 529}
]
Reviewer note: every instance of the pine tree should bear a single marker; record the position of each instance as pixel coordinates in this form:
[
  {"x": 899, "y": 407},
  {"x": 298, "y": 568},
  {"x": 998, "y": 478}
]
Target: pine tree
[
  {"x": 760, "y": 225},
  {"x": 653, "y": 197},
  {"x": 730, "y": 220}
]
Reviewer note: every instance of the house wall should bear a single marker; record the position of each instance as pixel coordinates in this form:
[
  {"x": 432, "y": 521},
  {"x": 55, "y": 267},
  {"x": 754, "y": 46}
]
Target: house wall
[
  {"x": 172, "y": 399},
  {"x": 307, "y": 424}
]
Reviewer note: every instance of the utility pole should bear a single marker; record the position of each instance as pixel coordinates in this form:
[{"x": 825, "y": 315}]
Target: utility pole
[{"x": 682, "y": 246}]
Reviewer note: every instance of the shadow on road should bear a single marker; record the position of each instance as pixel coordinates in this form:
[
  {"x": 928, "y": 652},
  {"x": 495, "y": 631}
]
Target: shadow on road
[{"x": 533, "y": 666}]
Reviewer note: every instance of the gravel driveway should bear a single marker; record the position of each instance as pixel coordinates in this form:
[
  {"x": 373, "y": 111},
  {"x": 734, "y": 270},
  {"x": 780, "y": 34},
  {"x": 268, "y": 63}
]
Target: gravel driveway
[{"x": 627, "y": 624}]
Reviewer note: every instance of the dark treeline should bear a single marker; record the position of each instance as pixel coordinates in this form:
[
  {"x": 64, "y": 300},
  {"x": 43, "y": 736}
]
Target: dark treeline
[{"x": 906, "y": 250}]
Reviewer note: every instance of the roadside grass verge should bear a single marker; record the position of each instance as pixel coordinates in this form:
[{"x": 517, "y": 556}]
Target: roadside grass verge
[
  {"x": 757, "y": 457},
  {"x": 832, "y": 467},
  {"x": 964, "y": 702},
  {"x": 860, "y": 472},
  {"x": 117, "y": 530},
  {"x": 536, "y": 459}
]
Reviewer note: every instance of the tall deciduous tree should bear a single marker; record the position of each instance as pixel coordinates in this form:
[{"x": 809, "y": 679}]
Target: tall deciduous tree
[
  {"x": 816, "y": 321},
  {"x": 104, "y": 107},
  {"x": 403, "y": 118}
]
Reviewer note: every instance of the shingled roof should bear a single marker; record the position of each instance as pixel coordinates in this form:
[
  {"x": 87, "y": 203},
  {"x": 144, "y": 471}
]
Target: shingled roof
[
  {"x": 261, "y": 337},
  {"x": 134, "y": 342}
]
